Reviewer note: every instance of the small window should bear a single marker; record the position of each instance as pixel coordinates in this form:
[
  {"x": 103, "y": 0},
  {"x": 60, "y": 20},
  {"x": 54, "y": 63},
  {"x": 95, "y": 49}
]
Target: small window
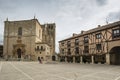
[
  {"x": 98, "y": 36},
  {"x": 42, "y": 58},
  {"x": 76, "y": 41},
  {"x": 86, "y": 39},
  {"x": 69, "y": 51},
  {"x": 68, "y": 44},
  {"x": 116, "y": 33},
  {"x": 77, "y": 50},
  {"x": 37, "y": 47},
  {"x": 62, "y": 43},
  {"x": 62, "y": 51},
  {"x": 98, "y": 47}
]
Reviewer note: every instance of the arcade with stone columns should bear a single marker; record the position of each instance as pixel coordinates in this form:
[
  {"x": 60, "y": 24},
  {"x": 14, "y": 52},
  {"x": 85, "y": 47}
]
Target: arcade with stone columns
[{"x": 98, "y": 45}]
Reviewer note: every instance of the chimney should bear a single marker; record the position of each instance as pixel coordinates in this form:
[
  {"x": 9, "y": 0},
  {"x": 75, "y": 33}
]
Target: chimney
[
  {"x": 7, "y": 19},
  {"x": 74, "y": 34},
  {"x": 82, "y": 32},
  {"x": 99, "y": 26}
]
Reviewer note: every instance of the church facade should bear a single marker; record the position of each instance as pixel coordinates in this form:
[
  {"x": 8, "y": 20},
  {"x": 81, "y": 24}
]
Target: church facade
[{"x": 28, "y": 39}]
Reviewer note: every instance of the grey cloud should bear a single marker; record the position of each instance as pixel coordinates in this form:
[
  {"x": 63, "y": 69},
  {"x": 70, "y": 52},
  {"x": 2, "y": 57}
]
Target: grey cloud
[
  {"x": 78, "y": 10},
  {"x": 113, "y": 16},
  {"x": 7, "y": 7},
  {"x": 70, "y": 15},
  {"x": 101, "y": 2}
]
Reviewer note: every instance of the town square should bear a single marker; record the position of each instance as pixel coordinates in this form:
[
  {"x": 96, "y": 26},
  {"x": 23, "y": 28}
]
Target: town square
[
  {"x": 57, "y": 71},
  {"x": 59, "y": 40}
]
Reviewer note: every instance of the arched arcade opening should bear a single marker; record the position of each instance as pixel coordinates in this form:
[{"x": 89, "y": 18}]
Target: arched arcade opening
[{"x": 115, "y": 55}]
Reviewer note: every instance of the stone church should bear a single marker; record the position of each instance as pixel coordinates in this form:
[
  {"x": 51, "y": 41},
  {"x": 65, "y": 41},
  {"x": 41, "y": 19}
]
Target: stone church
[{"x": 28, "y": 40}]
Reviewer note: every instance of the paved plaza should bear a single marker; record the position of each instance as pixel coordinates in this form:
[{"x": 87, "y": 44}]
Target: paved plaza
[{"x": 57, "y": 71}]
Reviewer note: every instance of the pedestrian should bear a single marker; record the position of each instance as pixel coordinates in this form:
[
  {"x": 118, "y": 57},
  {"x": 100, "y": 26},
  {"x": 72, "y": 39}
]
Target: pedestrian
[{"x": 39, "y": 60}]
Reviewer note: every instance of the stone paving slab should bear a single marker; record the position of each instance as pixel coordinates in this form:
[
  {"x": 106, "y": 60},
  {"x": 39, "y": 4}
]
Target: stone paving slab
[{"x": 60, "y": 71}]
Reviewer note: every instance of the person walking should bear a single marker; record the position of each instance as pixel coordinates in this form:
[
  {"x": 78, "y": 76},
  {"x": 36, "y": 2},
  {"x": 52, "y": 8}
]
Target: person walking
[{"x": 39, "y": 60}]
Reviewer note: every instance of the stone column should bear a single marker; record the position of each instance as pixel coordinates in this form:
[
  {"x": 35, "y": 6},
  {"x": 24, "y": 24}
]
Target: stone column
[
  {"x": 29, "y": 57},
  {"x": 108, "y": 58},
  {"x": 6, "y": 57},
  {"x": 59, "y": 58},
  {"x": 92, "y": 59},
  {"x": 65, "y": 59},
  {"x": 81, "y": 59}
]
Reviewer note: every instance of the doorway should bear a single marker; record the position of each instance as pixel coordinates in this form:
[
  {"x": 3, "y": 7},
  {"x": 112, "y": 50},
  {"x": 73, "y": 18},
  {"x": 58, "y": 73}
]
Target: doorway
[
  {"x": 19, "y": 52},
  {"x": 77, "y": 59}
]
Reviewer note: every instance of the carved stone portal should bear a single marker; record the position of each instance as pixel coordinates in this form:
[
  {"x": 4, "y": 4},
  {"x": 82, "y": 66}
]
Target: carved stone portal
[{"x": 19, "y": 49}]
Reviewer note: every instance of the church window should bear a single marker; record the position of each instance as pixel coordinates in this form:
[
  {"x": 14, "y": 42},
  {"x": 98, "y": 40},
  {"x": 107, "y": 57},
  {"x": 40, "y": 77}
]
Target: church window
[
  {"x": 20, "y": 31},
  {"x": 37, "y": 47},
  {"x": 41, "y": 47}
]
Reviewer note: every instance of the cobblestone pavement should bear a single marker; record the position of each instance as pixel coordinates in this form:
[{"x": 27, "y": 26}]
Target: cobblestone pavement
[{"x": 60, "y": 71}]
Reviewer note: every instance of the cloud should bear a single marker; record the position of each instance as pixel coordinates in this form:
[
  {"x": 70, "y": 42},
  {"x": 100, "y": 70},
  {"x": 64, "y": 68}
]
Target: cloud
[
  {"x": 8, "y": 6},
  {"x": 113, "y": 16},
  {"x": 101, "y": 2},
  {"x": 70, "y": 16}
]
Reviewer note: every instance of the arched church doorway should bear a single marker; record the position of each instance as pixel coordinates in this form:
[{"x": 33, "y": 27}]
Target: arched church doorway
[
  {"x": 19, "y": 52},
  {"x": 53, "y": 58},
  {"x": 115, "y": 55}
]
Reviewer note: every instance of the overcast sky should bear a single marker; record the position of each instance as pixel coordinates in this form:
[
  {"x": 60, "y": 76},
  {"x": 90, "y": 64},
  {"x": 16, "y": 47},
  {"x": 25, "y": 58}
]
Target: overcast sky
[{"x": 70, "y": 16}]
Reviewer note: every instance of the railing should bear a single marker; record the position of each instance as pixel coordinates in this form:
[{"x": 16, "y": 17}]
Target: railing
[
  {"x": 76, "y": 43},
  {"x": 39, "y": 49},
  {"x": 68, "y": 45}
]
